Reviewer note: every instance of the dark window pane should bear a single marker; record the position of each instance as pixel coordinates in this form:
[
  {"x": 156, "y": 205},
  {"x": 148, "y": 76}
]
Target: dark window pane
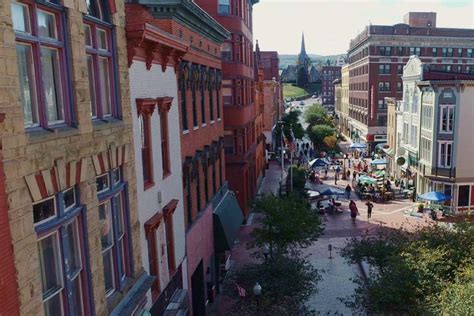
[
  {"x": 44, "y": 210},
  {"x": 69, "y": 198},
  {"x": 102, "y": 182},
  {"x": 463, "y": 197}
]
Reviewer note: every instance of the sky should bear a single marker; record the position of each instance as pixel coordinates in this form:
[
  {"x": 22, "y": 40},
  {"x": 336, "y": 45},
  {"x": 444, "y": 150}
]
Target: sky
[{"x": 329, "y": 25}]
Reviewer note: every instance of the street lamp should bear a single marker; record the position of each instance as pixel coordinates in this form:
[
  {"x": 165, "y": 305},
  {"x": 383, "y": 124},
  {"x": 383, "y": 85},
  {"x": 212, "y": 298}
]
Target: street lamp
[
  {"x": 344, "y": 167},
  {"x": 266, "y": 251},
  {"x": 257, "y": 290}
]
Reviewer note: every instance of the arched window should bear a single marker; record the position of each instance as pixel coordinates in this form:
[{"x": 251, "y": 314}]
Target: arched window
[
  {"x": 100, "y": 60},
  {"x": 41, "y": 57}
]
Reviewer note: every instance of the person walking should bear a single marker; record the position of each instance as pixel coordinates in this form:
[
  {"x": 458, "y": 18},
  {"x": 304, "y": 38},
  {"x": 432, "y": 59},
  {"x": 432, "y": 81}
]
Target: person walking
[
  {"x": 354, "y": 210},
  {"x": 348, "y": 191},
  {"x": 370, "y": 206}
]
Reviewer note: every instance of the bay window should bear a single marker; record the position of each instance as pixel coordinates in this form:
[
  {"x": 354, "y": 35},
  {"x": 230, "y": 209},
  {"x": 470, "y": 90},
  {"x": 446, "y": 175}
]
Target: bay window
[
  {"x": 114, "y": 230},
  {"x": 223, "y": 7},
  {"x": 58, "y": 223},
  {"x": 100, "y": 61},
  {"x": 41, "y": 62}
]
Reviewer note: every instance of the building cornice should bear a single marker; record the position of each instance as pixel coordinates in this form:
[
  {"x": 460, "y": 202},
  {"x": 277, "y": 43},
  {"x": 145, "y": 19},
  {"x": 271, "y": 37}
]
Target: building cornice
[{"x": 190, "y": 15}]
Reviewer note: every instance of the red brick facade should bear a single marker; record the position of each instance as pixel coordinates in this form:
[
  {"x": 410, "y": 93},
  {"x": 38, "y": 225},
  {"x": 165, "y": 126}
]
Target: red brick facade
[
  {"x": 377, "y": 57},
  {"x": 9, "y": 304},
  {"x": 244, "y": 143}
]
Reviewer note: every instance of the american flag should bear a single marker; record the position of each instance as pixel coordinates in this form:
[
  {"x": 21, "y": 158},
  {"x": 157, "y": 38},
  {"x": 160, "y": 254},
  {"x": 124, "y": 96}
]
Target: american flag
[{"x": 241, "y": 290}]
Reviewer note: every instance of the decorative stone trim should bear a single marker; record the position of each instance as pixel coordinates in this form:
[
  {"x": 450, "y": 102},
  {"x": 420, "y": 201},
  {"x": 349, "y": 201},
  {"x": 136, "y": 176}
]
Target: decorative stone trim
[
  {"x": 145, "y": 106},
  {"x": 62, "y": 176},
  {"x": 169, "y": 208},
  {"x": 164, "y": 104},
  {"x": 113, "y": 158}
]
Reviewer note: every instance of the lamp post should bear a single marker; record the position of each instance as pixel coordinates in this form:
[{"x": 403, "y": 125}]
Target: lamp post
[
  {"x": 257, "y": 291},
  {"x": 344, "y": 177}
]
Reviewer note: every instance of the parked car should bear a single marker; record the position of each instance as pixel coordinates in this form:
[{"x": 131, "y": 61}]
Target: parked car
[{"x": 301, "y": 102}]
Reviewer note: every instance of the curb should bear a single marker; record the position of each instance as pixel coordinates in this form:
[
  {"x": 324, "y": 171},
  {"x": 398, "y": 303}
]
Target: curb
[{"x": 363, "y": 272}]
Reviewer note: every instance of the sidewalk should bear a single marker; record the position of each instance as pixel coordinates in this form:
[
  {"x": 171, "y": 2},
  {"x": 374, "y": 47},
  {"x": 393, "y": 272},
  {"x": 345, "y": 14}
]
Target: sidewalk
[{"x": 240, "y": 255}]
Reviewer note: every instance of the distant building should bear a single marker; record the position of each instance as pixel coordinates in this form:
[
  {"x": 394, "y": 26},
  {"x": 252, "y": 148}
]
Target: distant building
[
  {"x": 342, "y": 108},
  {"x": 328, "y": 75},
  {"x": 340, "y": 61},
  {"x": 377, "y": 56},
  {"x": 314, "y": 75}
]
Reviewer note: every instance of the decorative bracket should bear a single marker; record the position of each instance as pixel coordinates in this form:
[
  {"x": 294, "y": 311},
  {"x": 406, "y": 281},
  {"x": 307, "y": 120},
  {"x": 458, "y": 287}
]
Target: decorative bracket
[{"x": 145, "y": 106}]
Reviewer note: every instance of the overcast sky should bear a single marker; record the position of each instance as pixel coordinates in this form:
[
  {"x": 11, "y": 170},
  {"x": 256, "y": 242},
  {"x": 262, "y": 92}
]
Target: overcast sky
[{"x": 329, "y": 25}]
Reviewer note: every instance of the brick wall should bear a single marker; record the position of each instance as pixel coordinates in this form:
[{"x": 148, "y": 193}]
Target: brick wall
[{"x": 27, "y": 153}]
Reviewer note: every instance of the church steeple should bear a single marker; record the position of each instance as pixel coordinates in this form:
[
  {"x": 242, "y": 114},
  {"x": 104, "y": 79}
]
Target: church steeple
[{"x": 303, "y": 48}]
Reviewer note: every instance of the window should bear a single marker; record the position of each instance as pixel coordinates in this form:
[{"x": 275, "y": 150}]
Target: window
[
  {"x": 434, "y": 52},
  {"x": 447, "y": 52},
  {"x": 399, "y": 86},
  {"x": 61, "y": 254},
  {"x": 425, "y": 153},
  {"x": 470, "y": 52},
  {"x": 193, "y": 95},
  {"x": 168, "y": 211},
  {"x": 445, "y": 154},
  {"x": 459, "y": 52},
  {"x": 400, "y": 50},
  {"x": 218, "y": 103},
  {"x": 427, "y": 117},
  {"x": 381, "y": 104},
  {"x": 446, "y": 118},
  {"x": 205, "y": 170},
  {"x": 114, "y": 233},
  {"x": 165, "y": 151},
  {"x": 384, "y": 86},
  {"x": 400, "y": 69},
  {"x": 405, "y": 133},
  {"x": 385, "y": 50},
  {"x": 41, "y": 58},
  {"x": 414, "y": 136},
  {"x": 100, "y": 61},
  {"x": 145, "y": 142},
  {"x": 384, "y": 69},
  {"x": 184, "y": 112},
  {"x": 226, "y": 51},
  {"x": 224, "y": 7},
  {"x": 203, "y": 105},
  {"x": 415, "y": 51},
  {"x": 211, "y": 104}
]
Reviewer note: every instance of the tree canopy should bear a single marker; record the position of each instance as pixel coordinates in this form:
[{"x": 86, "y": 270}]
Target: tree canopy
[
  {"x": 317, "y": 115},
  {"x": 318, "y": 133},
  {"x": 430, "y": 270}
]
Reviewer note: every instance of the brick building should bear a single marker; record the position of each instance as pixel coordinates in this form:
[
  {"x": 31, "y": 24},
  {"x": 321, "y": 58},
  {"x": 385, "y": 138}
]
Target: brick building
[
  {"x": 69, "y": 175},
  {"x": 243, "y": 139},
  {"x": 377, "y": 56},
  {"x": 269, "y": 92},
  {"x": 195, "y": 38},
  {"x": 328, "y": 75},
  {"x": 9, "y": 304}
]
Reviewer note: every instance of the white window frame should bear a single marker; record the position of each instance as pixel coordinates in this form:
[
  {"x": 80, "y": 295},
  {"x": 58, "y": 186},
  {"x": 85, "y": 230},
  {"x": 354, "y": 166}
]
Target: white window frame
[
  {"x": 449, "y": 127},
  {"x": 446, "y": 143}
]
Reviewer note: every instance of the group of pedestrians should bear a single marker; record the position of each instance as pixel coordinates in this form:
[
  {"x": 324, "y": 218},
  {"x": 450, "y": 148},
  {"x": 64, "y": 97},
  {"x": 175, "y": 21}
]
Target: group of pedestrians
[{"x": 355, "y": 211}]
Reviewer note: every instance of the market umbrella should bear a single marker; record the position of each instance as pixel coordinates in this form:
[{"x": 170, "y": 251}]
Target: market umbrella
[
  {"x": 331, "y": 191},
  {"x": 379, "y": 173},
  {"x": 318, "y": 162},
  {"x": 435, "y": 197},
  {"x": 367, "y": 179},
  {"x": 312, "y": 194},
  {"x": 379, "y": 162},
  {"x": 357, "y": 145}
]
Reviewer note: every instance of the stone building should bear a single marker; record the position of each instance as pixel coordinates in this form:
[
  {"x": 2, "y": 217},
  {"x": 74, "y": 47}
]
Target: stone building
[
  {"x": 67, "y": 156},
  {"x": 436, "y": 135},
  {"x": 344, "y": 117},
  {"x": 377, "y": 56},
  {"x": 243, "y": 139},
  {"x": 392, "y": 152}
]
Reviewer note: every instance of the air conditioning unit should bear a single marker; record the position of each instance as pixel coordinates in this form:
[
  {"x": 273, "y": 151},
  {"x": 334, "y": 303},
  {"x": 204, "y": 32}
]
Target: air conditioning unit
[{"x": 178, "y": 305}]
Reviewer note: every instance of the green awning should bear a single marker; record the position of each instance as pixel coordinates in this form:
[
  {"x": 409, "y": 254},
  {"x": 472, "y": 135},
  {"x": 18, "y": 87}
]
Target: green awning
[
  {"x": 227, "y": 220},
  {"x": 389, "y": 151}
]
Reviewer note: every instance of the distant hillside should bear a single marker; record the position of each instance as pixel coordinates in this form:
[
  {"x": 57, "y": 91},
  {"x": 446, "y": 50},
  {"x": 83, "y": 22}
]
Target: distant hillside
[{"x": 286, "y": 60}]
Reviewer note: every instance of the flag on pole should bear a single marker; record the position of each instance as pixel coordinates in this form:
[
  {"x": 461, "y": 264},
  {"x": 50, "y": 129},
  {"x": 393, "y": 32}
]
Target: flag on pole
[{"x": 241, "y": 290}]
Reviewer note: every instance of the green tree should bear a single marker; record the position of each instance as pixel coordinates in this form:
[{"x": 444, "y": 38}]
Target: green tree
[
  {"x": 299, "y": 181},
  {"x": 291, "y": 122},
  {"x": 288, "y": 224},
  {"x": 286, "y": 283},
  {"x": 426, "y": 271},
  {"x": 317, "y": 115},
  {"x": 318, "y": 133}
]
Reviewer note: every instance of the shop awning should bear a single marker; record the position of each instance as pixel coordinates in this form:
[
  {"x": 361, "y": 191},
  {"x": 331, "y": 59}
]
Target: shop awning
[
  {"x": 227, "y": 220},
  {"x": 389, "y": 151}
]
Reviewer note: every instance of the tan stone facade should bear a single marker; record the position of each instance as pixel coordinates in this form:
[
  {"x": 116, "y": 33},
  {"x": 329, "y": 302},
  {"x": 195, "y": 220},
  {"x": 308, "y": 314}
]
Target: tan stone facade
[{"x": 29, "y": 153}]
